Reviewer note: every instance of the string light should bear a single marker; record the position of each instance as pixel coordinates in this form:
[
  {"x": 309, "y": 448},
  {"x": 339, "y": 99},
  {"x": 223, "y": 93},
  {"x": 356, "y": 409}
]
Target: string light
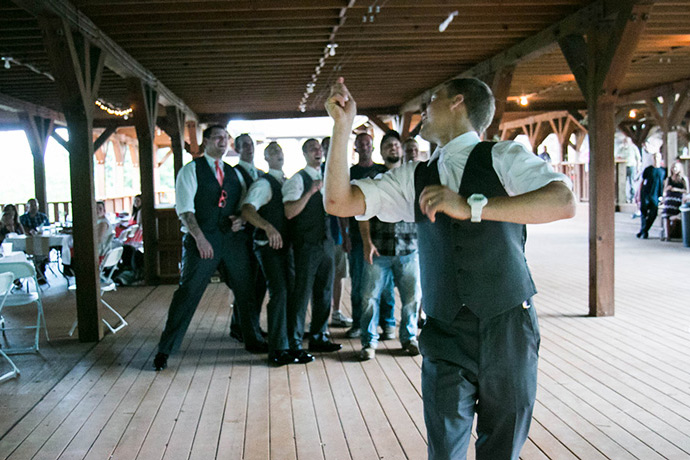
[
  {"x": 523, "y": 101},
  {"x": 632, "y": 113},
  {"x": 10, "y": 60},
  {"x": 110, "y": 110}
]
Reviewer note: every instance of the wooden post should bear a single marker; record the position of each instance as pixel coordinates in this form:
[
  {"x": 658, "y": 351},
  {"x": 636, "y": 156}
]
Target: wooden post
[
  {"x": 599, "y": 65},
  {"x": 144, "y": 102},
  {"x": 174, "y": 127},
  {"x": 500, "y": 85},
  {"x": 77, "y": 66},
  {"x": 38, "y": 130}
]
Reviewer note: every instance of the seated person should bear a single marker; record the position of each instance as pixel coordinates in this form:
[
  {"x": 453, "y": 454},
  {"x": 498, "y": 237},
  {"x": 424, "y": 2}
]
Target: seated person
[
  {"x": 10, "y": 222},
  {"x": 104, "y": 230},
  {"x": 33, "y": 219}
]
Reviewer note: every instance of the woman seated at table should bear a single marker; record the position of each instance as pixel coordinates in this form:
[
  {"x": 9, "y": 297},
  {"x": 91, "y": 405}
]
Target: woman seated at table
[{"x": 10, "y": 222}]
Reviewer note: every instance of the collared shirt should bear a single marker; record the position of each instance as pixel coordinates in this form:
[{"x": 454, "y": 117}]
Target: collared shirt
[
  {"x": 186, "y": 185},
  {"x": 30, "y": 222},
  {"x": 391, "y": 198},
  {"x": 250, "y": 169},
  {"x": 260, "y": 191},
  {"x": 293, "y": 188}
]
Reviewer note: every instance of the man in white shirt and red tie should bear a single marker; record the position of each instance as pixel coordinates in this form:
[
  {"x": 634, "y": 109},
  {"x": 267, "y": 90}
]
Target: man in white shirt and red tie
[{"x": 208, "y": 193}]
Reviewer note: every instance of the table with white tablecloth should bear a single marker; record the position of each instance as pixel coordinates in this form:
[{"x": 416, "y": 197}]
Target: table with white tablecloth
[{"x": 56, "y": 241}]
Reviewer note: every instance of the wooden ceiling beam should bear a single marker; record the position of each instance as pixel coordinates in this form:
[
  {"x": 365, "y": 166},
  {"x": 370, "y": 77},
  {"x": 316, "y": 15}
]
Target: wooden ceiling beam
[
  {"x": 12, "y": 104},
  {"x": 117, "y": 59},
  {"x": 530, "y": 48}
]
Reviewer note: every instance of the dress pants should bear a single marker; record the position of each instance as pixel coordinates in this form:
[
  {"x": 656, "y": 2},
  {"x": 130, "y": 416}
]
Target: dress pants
[
  {"x": 649, "y": 208},
  {"x": 278, "y": 268},
  {"x": 231, "y": 257},
  {"x": 314, "y": 268},
  {"x": 387, "y": 301},
  {"x": 487, "y": 366},
  {"x": 259, "y": 294}
]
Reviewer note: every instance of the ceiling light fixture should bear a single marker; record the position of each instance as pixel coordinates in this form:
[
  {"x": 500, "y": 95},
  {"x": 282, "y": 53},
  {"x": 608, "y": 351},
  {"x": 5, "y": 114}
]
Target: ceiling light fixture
[
  {"x": 523, "y": 101},
  {"x": 632, "y": 113}
]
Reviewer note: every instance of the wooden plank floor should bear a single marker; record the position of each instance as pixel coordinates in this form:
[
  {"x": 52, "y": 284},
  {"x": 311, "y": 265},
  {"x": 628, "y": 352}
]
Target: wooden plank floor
[{"x": 609, "y": 388}]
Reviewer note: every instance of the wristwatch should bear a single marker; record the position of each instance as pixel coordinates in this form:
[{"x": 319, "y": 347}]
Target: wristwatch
[{"x": 477, "y": 202}]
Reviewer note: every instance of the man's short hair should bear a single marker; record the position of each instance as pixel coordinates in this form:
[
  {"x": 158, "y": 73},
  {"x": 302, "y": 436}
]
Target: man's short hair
[
  {"x": 311, "y": 139},
  {"x": 478, "y": 99},
  {"x": 272, "y": 147},
  {"x": 207, "y": 132},
  {"x": 237, "y": 139},
  {"x": 390, "y": 134}
]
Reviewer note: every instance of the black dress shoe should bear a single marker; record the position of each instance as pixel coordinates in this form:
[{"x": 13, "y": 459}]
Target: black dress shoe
[
  {"x": 324, "y": 346},
  {"x": 237, "y": 335},
  {"x": 301, "y": 356},
  {"x": 160, "y": 362},
  {"x": 259, "y": 347},
  {"x": 281, "y": 358}
]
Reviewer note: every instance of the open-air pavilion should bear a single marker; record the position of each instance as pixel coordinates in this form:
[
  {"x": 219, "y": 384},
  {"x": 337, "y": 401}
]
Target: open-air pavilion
[{"x": 610, "y": 387}]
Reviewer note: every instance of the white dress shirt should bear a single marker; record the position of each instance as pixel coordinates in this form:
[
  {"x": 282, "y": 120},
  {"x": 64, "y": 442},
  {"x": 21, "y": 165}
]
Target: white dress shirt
[
  {"x": 260, "y": 192},
  {"x": 391, "y": 197},
  {"x": 186, "y": 185},
  {"x": 294, "y": 187}
]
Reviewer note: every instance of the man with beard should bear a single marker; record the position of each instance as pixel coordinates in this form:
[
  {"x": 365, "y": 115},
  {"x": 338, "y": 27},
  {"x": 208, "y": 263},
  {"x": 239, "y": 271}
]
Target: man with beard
[
  {"x": 390, "y": 250},
  {"x": 471, "y": 202},
  {"x": 314, "y": 252},
  {"x": 207, "y": 194}
]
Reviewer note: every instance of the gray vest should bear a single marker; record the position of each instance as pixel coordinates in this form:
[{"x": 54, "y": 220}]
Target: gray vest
[
  {"x": 311, "y": 225},
  {"x": 478, "y": 265}
]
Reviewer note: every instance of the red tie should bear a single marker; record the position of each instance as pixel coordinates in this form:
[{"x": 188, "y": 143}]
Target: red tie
[{"x": 219, "y": 173}]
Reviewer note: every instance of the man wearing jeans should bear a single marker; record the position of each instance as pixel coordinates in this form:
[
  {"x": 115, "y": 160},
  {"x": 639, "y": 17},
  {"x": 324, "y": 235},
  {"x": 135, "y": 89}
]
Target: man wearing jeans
[{"x": 390, "y": 250}]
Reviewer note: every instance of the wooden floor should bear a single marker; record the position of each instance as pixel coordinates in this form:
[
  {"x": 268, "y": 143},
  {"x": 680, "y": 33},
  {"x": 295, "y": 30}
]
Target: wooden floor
[{"x": 616, "y": 388}]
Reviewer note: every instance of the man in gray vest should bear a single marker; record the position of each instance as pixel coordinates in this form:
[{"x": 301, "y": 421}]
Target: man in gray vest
[
  {"x": 244, "y": 146},
  {"x": 207, "y": 197},
  {"x": 314, "y": 252},
  {"x": 471, "y": 202},
  {"x": 263, "y": 208}
]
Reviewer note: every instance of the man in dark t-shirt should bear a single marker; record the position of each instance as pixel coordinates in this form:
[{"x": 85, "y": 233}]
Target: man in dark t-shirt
[{"x": 651, "y": 188}]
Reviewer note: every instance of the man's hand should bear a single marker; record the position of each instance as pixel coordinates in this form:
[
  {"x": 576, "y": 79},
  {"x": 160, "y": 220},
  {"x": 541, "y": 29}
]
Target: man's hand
[
  {"x": 370, "y": 252},
  {"x": 237, "y": 223},
  {"x": 340, "y": 105},
  {"x": 204, "y": 247},
  {"x": 275, "y": 241},
  {"x": 439, "y": 198},
  {"x": 315, "y": 186}
]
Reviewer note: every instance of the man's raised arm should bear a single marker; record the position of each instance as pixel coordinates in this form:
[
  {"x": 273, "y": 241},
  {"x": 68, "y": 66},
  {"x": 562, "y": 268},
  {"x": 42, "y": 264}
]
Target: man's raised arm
[{"x": 340, "y": 197}]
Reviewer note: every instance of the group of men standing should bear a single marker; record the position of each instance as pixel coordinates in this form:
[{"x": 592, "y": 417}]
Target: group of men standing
[{"x": 265, "y": 233}]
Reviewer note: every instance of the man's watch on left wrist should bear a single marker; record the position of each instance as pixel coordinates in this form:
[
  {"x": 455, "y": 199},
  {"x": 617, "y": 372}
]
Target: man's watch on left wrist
[{"x": 477, "y": 201}]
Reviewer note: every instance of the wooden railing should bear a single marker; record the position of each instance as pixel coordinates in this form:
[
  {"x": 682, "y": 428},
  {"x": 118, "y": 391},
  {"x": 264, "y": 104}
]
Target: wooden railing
[{"x": 59, "y": 210}]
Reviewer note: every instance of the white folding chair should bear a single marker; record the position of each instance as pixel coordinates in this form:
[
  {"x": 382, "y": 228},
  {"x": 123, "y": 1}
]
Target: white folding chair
[
  {"x": 6, "y": 283},
  {"x": 23, "y": 270},
  {"x": 108, "y": 266}
]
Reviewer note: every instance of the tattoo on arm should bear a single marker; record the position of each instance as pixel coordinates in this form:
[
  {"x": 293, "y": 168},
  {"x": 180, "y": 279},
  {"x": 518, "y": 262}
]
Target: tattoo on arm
[{"x": 189, "y": 221}]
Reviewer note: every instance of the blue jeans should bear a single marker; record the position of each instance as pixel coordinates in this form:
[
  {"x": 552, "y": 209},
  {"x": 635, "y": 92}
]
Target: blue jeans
[
  {"x": 356, "y": 261},
  {"x": 404, "y": 272}
]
